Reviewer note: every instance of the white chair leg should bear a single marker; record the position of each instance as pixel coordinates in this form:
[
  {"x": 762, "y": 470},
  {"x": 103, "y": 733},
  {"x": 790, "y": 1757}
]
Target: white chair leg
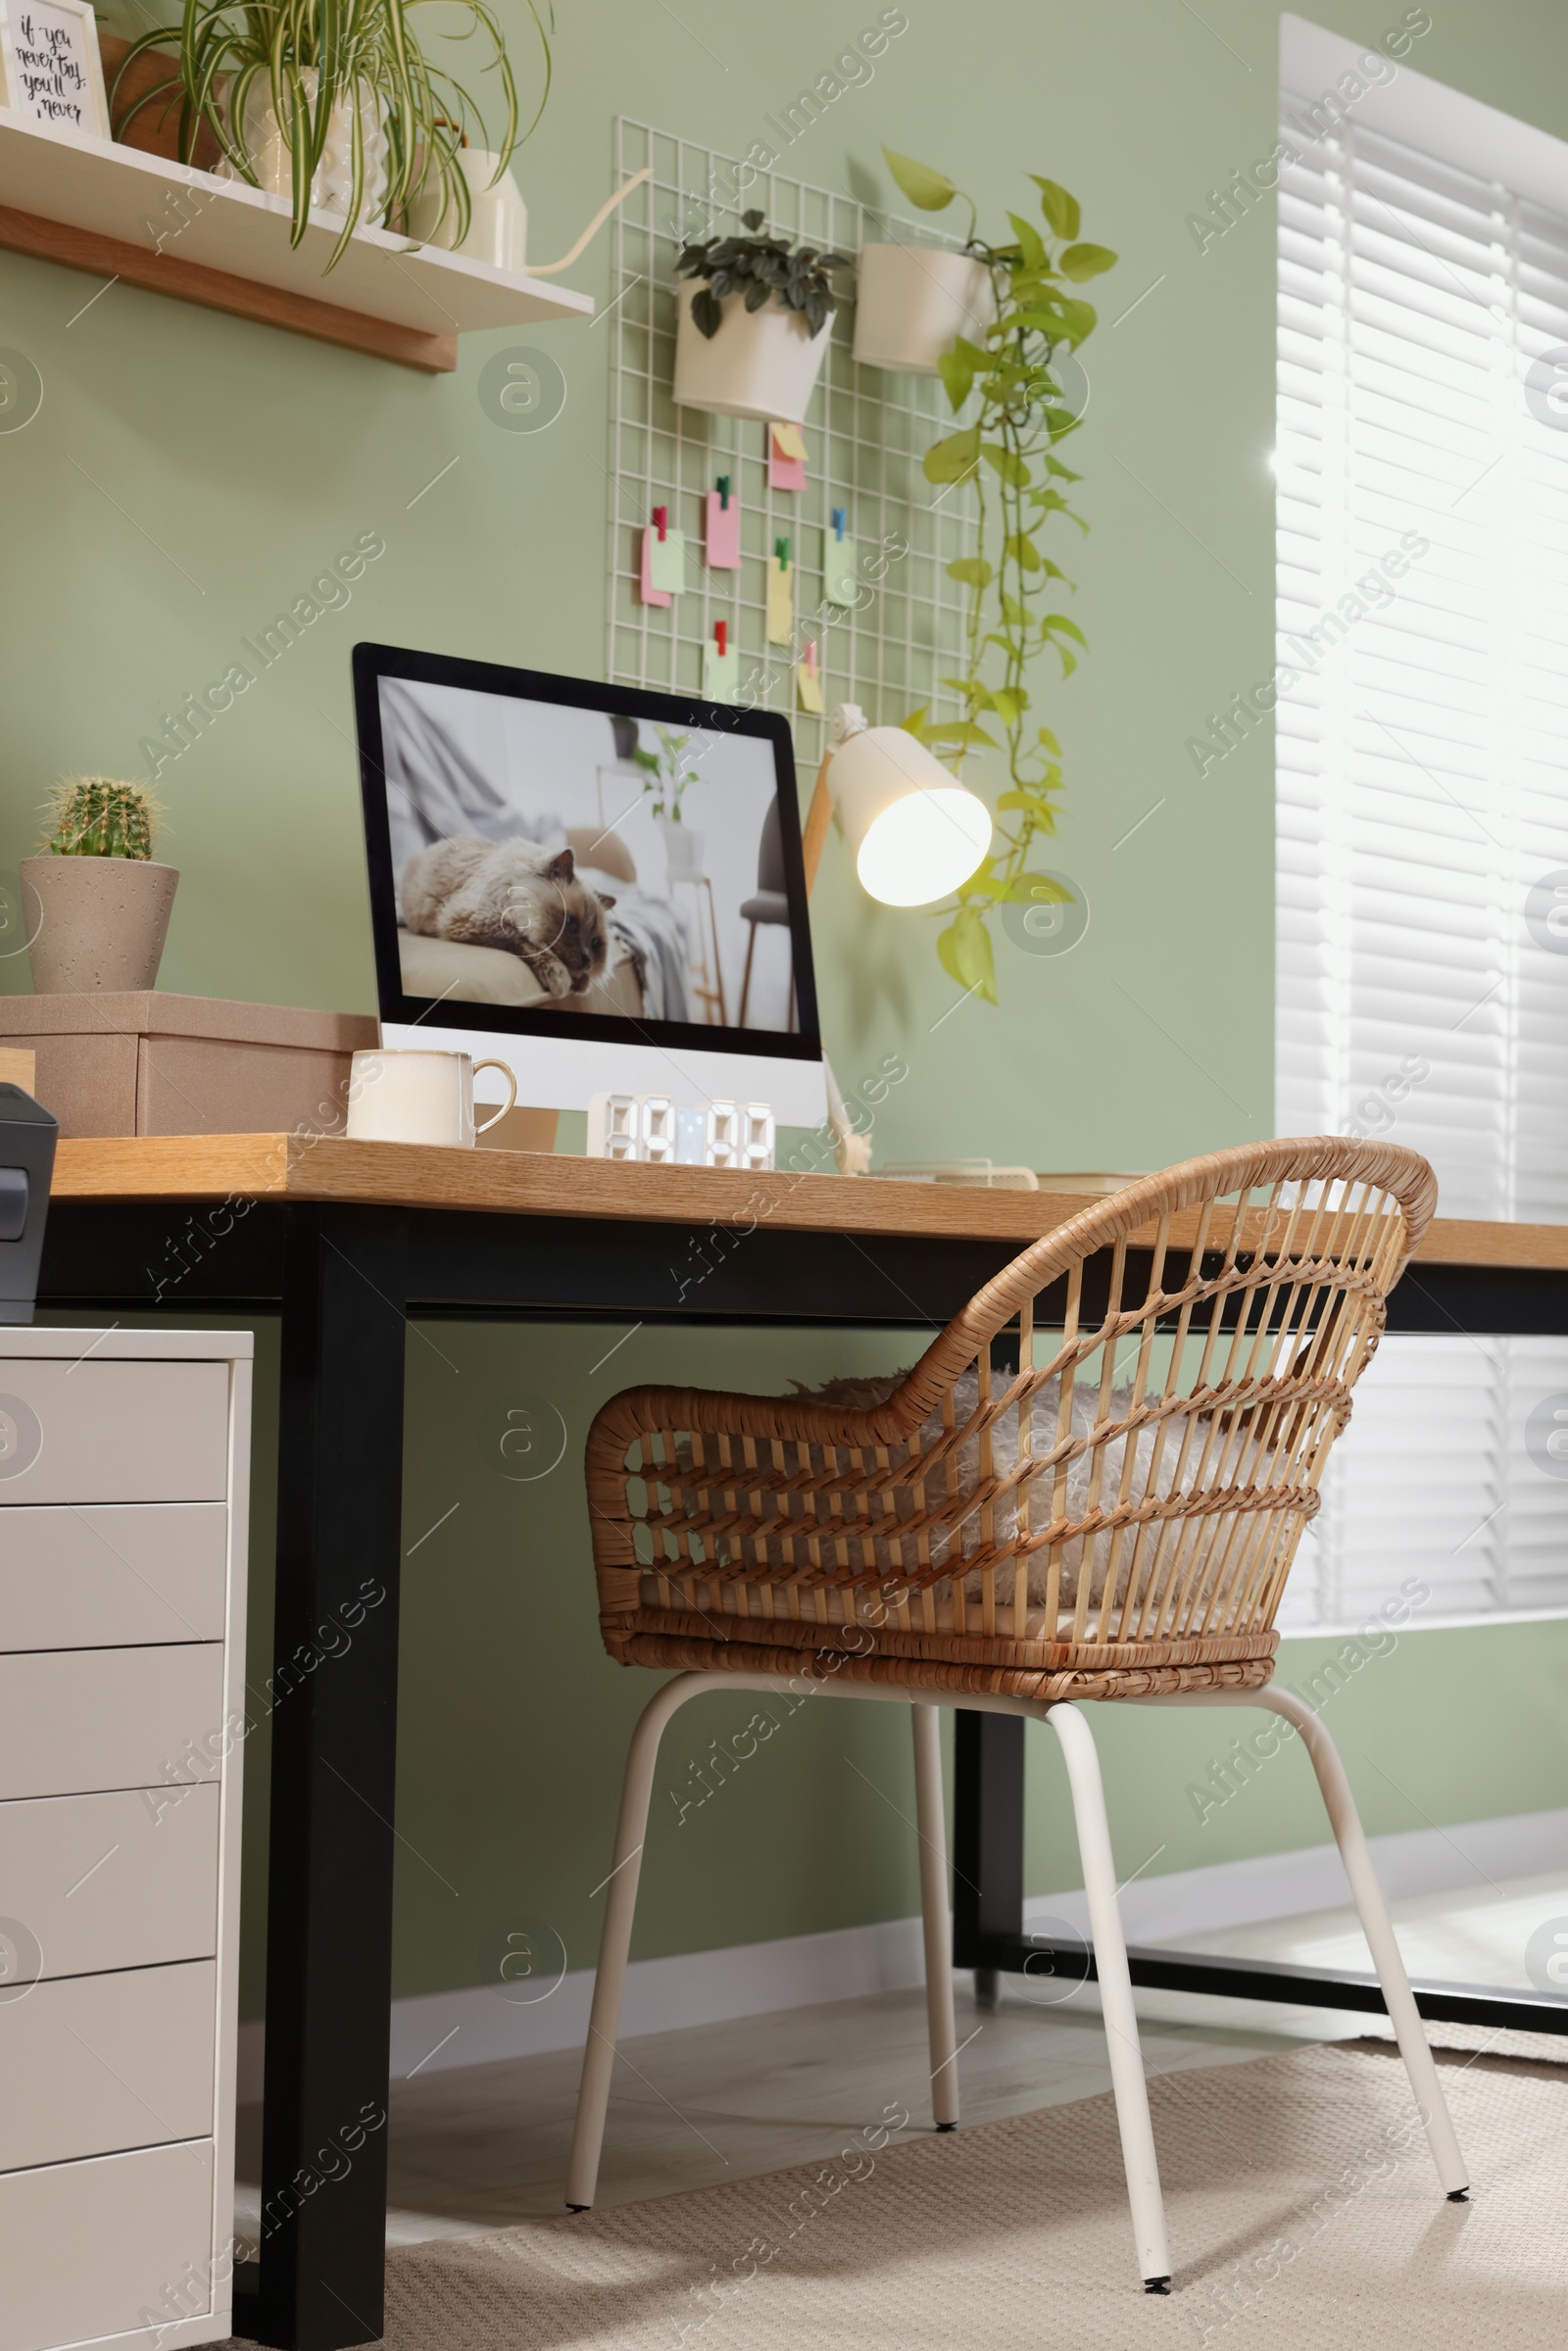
[
  {"x": 932, "y": 1825},
  {"x": 1378, "y": 1928},
  {"x": 1115, "y": 1996},
  {"x": 614, "y": 1942}
]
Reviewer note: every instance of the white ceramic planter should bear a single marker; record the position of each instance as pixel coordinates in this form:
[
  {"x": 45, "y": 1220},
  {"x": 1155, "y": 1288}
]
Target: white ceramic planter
[
  {"x": 272, "y": 159},
  {"x": 762, "y": 363},
  {"x": 683, "y": 850},
  {"x": 914, "y": 302},
  {"x": 498, "y": 229}
]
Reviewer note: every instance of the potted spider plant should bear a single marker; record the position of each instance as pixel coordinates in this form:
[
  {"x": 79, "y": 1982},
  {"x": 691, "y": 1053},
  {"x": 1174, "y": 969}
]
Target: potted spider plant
[
  {"x": 751, "y": 335},
  {"x": 97, "y": 905},
  {"x": 334, "y": 105}
]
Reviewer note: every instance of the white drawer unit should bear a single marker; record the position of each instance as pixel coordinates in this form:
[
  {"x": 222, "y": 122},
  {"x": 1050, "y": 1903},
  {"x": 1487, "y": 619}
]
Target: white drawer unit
[
  {"x": 113, "y": 1573},
  {"x": 118, "y": 2249},
  {"x": 123, "y": 1880},
  {"x": 124, "y": 1464},
  {"x": 78, "y": 1430},
  {"x": 75, "y": 1720}
]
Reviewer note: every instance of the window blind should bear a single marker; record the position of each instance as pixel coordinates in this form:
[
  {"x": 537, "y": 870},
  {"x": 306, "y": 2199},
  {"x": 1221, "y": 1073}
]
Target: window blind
[{"x": 1422, "y": 806}]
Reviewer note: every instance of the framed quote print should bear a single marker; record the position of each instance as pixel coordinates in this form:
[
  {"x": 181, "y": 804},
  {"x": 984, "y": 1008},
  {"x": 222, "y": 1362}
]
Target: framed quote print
[{"x": 49, "y": 65}]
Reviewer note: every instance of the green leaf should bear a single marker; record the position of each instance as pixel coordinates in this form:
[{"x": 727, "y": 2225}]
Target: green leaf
[
  {"x": 1086, "y": 261},
  {"x": 964, "y": 948},
  {"x": 956, "y": 458},
  {"x": 1063, "y": 473},
  {"x": 972, "y": 569},
  {"x": 1049, "y": 741},
  {"x": 1007, "y": 462},
  {"x": 929, "y": 191},
  {"x": 1061, "y": 211},
  {"x": 1030, "y": 242},
  {"x": 962, "y": 734},
  {"x": 1015, "y": 615},
  {"x": 957, "y": 374},
  {"x": 1030, "y": 804},
  {"x": 914, "y": 724},
  {"x": 1059, "y": 624},
  {"x": 1036, "y": 890},
  {"x": 1051, "y": 502},
  {"x": 1008, "y": 704},
  {"x": 1079, "y": 318},
  {"x": 1023, "y": 551},
  {"x": 959, "y": 366}
]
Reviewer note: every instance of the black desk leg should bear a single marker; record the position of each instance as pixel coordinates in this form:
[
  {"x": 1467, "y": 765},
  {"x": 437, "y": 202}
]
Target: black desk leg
[
  {"x": 334, "y": 1742},
  {"x": 987, "y": 1839}
]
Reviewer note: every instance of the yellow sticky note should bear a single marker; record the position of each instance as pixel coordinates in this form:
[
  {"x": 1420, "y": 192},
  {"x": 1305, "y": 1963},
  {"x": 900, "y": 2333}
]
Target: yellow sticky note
[
  {"x": 780, "y": 601},
  {"x": 808, "y": 687},
  {"x": 789, "y": 441}
]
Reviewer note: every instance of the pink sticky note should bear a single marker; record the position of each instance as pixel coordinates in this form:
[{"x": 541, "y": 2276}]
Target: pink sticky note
[
  {"x": 723, "y": 533},
  {"x": 648, "y": 593},
  {"x": 786, "y": 458}
]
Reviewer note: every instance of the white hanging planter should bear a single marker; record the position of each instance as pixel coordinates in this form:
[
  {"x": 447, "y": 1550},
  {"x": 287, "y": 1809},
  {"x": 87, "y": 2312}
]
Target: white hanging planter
[
  {"x": 498, "y": 223},
  {"x": 914, "y": 302},
  {"x": 762, "y": 363}
]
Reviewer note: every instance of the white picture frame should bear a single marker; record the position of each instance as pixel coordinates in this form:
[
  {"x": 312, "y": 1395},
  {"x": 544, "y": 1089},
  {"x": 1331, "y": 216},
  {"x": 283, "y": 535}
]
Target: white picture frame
[{"x": 50, "y": 65}]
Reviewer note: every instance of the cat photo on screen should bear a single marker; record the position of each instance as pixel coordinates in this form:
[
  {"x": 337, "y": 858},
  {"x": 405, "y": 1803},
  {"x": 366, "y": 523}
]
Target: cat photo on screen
[{"x": 571, "y": 860}]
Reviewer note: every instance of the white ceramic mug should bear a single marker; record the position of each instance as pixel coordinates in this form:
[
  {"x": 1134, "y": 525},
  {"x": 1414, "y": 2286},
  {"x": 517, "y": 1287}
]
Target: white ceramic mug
[{"x": 418, "y": 1095}]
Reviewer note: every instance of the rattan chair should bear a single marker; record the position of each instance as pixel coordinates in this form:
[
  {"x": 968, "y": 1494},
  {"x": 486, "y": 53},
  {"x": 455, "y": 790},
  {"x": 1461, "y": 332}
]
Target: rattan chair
[{"x": 1110, "y": 1518}]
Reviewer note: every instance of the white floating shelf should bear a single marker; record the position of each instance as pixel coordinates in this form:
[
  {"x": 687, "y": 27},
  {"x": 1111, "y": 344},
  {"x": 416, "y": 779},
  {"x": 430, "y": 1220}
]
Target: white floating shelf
[{"x": 118, "y": 212}]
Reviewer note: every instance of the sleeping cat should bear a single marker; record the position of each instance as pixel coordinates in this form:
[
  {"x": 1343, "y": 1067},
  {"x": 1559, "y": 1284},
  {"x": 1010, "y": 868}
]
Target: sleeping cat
[{"x": 513, "y": 894}]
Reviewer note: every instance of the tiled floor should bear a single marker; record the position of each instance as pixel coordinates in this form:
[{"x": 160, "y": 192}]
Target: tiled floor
[{"x": 484, "y": 2146}]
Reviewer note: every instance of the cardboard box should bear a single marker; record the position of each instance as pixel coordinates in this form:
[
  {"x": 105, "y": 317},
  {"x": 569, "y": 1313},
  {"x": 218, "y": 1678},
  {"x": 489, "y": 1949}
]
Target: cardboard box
[{"x": 149, "y": 1063}]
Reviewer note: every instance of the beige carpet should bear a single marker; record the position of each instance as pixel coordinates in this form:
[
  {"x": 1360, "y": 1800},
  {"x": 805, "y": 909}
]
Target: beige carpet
[{"x": 1303, "y": 2210}]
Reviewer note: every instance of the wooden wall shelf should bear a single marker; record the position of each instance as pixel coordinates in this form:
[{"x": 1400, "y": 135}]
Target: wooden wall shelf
[{"x": 118, "y": 212}]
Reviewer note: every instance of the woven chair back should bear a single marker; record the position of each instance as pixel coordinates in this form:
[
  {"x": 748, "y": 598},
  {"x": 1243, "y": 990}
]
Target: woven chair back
[{"x": 1098, "y": 1472}]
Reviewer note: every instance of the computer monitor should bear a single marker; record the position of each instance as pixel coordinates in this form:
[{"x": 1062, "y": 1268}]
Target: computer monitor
[{"x": 601, "y": 886}]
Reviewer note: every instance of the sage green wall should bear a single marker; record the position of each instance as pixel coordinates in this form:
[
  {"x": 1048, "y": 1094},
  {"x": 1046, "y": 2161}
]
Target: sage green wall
[{"x": 190, "y": 475}]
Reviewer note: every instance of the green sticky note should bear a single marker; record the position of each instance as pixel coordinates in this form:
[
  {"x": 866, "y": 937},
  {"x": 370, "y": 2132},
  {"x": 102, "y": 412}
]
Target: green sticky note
[
  {"x": 669, "y": 563},
  {"x": 721, "y": 673},
  {"x": 838, "y": 568}
]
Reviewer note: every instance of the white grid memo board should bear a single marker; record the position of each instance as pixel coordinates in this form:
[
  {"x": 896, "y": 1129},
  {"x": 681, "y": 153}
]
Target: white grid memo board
[{"x": 866, "y": 435}]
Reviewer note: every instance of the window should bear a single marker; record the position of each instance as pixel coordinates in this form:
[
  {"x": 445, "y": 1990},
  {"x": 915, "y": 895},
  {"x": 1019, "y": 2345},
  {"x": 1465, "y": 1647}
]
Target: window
[{"x": 1422, "y": 751}]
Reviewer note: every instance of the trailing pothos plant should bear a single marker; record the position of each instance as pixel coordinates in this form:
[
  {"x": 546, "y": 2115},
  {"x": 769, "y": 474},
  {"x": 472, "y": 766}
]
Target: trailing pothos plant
[{"x": 1008, "y": 455}]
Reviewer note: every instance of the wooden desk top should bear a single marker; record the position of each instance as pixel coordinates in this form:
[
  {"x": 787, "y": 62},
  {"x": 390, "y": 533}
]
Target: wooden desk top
[{"x": 215, "y": 1167}]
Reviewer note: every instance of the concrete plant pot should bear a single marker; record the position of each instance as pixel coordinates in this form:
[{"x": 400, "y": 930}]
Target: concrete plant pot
[
  {"x": 761, "y": 365},
  {"x": 95, "y": 922},
  {"x": 914, "y": 303}
]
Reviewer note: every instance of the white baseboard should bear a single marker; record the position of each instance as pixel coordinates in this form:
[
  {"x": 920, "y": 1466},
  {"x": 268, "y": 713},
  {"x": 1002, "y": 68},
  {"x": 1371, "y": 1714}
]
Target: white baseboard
[
  {"x": 1280, "y": 1885},
  {"x": 478, "y": 2024}
]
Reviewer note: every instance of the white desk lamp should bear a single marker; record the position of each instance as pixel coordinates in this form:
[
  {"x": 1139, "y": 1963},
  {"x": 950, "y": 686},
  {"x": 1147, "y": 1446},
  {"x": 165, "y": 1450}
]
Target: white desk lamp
[{"x": 913, "y": 830}]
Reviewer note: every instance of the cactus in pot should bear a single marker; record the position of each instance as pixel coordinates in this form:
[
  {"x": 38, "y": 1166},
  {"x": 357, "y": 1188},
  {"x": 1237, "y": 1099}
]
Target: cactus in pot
[
  {"x": 93, "y": 817},
  {"x": 97, "y": 904}
]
